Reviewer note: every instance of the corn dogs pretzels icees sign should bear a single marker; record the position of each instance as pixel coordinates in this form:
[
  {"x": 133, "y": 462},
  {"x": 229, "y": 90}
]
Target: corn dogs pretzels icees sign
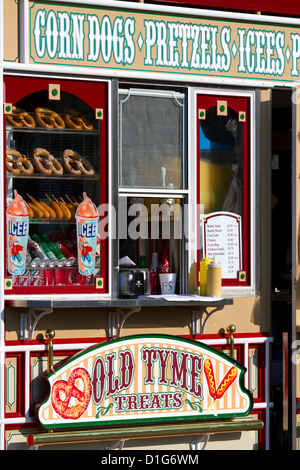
[
  {"x": 142, "y": 379},
  {"x": 142, "y": 41}
]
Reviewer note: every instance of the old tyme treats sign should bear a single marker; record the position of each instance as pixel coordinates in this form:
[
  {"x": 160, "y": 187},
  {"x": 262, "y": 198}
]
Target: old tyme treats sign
[{"x": 145, "y": 378}]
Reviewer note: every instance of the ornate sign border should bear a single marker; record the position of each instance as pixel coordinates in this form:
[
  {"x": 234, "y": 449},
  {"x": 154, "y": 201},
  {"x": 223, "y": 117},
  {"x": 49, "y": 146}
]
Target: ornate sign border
[{"x": 145, "y": 378}]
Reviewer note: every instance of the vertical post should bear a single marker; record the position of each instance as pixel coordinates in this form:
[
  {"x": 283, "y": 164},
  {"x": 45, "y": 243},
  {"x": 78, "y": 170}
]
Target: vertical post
[
  {"x": 2, "y": 228},
  {"x": 285, "y": 381},
  {"x": 23, "y": 31},
  {"x": 50, "y": 335},
  {"x": 231, "y": 329}
]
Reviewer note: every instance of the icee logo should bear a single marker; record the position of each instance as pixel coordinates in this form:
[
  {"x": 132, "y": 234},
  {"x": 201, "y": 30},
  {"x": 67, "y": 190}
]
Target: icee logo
[
  {"x": 87, "y": 230},
  {"x": 17, "y": 228}
]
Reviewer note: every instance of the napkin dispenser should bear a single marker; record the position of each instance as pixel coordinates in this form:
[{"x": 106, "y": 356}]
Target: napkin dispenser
[{"x": 132, "y": 281}]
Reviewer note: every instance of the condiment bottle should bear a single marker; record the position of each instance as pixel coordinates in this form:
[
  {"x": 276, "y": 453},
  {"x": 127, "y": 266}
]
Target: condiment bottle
[
  {"x": 143, "y": 261},
  {"x": 164, "y": 265},
  {"x": 203, "y": 275},
  {"x": 153, "y": 274},
  {"x": 214, "y": 279}
]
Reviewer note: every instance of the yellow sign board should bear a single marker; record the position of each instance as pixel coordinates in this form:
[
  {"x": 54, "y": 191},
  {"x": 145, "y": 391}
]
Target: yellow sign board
[
  {"x": 145, "y": 41},
  {"x": 145, "y": 378}
]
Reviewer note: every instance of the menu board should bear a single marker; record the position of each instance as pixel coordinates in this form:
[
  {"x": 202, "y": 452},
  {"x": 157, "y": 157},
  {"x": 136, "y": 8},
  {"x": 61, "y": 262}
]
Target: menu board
[{"x": 222, "y": 239}]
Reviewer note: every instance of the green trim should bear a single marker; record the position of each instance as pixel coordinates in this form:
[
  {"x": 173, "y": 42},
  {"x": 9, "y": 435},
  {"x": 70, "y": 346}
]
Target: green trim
[{"x": 145, "y": 432}]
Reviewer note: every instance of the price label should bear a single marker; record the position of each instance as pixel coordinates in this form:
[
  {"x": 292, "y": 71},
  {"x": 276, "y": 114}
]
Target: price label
[{"x": 222, "y": 239}]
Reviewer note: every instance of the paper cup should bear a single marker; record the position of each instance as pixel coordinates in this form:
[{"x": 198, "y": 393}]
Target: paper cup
[
  {"x": 167, "y": 283},
  {"x": 86, "y": 244},
  {"x": 17, "y": 237}
]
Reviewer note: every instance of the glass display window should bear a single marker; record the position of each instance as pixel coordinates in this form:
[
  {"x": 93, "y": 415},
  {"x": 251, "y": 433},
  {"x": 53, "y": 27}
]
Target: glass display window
[
  {"x": 56, "y": 161},
  {"x": 152, "y": 184},
  {"x": 224, "y": 182},
  {"x": 152, "y": 144}
]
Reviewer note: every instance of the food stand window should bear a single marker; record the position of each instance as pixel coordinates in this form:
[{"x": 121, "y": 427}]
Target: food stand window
[
  {"x": 224, "y": 173},
  {"x": 56, "y": 153},
  {"x": 152, "y": 176}
]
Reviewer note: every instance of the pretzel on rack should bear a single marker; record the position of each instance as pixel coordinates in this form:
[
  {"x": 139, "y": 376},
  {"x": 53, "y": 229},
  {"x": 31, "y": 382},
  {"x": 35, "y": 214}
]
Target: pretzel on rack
[
  {"x": 76, "y": 120},
  {"x": 25, "y": 165},
  {"x": 45, "y": 162},
  {"x": 76, "y": 164},
  {"x": 49, "y": 119},
  {"x": 20, "y": 118},
  {"x": 17, "y": 163}
]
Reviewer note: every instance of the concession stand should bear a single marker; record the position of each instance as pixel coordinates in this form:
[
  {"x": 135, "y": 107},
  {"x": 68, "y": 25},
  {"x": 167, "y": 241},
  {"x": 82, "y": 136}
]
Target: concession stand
[{"x": 149, "y": 254}]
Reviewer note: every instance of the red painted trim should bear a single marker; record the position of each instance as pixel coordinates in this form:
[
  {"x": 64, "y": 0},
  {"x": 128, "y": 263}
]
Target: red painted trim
[
  {"x": 20, "y": 378},
  {"x": 237, "y": 104},
  {"x": 94, "y": 94},
  {"x": 101, "y": 339}
]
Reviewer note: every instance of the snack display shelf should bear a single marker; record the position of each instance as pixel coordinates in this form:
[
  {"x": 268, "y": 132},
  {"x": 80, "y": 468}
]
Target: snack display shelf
[
  {"x": 56, "y": 154},
  {"x": 66, "y": 176},
  {"x": 118, "y": 303},
  {"x": 53, "y": 221},
  {"x": 43, "y": 130}
]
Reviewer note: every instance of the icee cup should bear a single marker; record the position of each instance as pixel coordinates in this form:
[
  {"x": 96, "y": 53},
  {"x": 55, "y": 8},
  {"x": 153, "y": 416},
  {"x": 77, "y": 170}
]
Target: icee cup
[
  {"x": 17, "y": 217},
  {"x": 86, "y": 225}
]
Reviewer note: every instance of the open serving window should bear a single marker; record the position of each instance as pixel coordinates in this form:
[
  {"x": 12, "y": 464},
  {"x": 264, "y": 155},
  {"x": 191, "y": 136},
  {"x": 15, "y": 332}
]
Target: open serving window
[
  {"x": 56, "y": 158},
  {"x": 152, "y": 184}
]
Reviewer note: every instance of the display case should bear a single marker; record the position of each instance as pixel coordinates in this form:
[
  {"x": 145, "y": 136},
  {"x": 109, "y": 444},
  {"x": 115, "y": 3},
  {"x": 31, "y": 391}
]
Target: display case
[
  {"x": 225, "y": 176},
  {"x": 56, "y": 155}
]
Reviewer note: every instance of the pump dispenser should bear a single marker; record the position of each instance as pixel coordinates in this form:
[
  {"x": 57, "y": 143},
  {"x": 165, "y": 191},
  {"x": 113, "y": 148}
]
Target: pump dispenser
[{"x": 214, "y": 279}]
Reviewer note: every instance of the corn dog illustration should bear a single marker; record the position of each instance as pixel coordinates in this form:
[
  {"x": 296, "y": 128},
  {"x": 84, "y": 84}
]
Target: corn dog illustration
[
  {"x": 210, "y": 377},
  {"x": 226, "y": 382}
]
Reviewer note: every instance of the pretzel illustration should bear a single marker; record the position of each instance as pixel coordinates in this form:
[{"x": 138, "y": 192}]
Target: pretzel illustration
[{"x": 62, "y": 393}]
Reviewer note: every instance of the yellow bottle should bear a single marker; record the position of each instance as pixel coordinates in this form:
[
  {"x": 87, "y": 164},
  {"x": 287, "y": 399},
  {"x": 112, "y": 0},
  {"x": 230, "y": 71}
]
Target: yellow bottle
[
  {"x": 214, "y": 279},
  {"x": 203, "y": 274}
]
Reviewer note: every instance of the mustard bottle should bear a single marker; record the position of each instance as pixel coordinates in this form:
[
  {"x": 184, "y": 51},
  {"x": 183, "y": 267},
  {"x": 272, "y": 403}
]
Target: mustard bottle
[
  {"x": 203, "y": 274},
  {"x": 214, "y": 279}
]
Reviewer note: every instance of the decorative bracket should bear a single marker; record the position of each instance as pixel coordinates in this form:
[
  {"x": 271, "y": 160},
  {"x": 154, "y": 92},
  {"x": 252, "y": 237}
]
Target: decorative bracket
[
  {"x": 117, "y": 319},
  {"x": 200, "y": 313},
  {"x": 195, "y": 445},
  {"x": 116, "y": 445},
  {"x": 28, "y": 322}
]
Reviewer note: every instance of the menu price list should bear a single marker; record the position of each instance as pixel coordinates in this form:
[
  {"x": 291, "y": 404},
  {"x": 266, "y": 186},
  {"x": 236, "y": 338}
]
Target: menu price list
[{"x": 222, "y": 239}]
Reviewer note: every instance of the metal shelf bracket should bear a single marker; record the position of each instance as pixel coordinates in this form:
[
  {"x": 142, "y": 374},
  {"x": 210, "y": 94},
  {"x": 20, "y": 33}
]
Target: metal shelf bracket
[
  {"x": 117, "y": 319},
  {"x": 204, "y": 315},
  {"x": 196, "y": 444},
  {"x": 28, "y": 321}
]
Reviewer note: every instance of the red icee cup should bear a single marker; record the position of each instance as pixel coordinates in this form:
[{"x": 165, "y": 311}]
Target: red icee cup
[
  {"x": 86, "y": 225},
  {"x": 17, "y": 217}
]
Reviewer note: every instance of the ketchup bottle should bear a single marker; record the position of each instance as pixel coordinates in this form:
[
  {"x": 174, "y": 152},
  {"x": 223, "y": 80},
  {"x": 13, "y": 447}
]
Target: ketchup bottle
[
  {"x": 164, "y": 265},
  {"x": 153, "y": 275}
]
